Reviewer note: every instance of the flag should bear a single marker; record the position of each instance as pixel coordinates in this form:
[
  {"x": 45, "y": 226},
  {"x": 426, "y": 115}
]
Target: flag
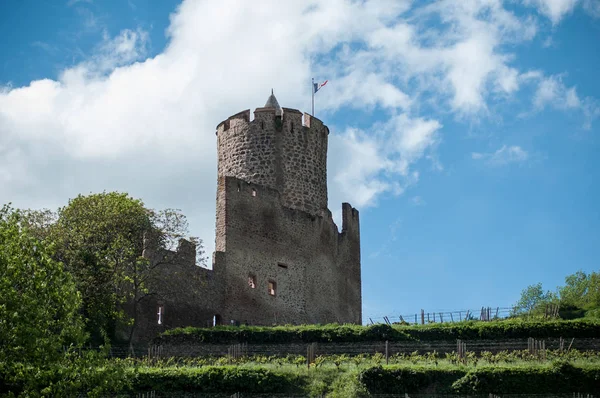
[{"x": 317, "y": 86}]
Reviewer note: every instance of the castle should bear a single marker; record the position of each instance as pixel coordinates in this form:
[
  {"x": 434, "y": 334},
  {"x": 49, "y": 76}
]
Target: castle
[{"x": 279, "y": 257}]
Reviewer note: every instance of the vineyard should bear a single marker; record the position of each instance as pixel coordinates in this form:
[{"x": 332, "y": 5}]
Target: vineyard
[{"x": 473, "y": 358}]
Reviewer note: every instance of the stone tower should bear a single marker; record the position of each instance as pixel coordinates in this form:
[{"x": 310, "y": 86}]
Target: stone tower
[{"x": 279, "y": 257}]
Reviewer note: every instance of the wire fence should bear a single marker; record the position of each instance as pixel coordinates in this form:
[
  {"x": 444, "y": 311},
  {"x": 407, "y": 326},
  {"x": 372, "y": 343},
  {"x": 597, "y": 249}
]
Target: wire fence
[{"x": 479, "y": 314}]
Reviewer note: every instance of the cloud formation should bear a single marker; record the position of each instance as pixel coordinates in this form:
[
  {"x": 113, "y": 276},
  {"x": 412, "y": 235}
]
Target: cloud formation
[
  {"x": 503, "y": 156},
  {"x": 121, "y": 120}
]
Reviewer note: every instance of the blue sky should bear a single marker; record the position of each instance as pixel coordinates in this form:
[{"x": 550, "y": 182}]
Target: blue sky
[{"x": 466, "y": 133}]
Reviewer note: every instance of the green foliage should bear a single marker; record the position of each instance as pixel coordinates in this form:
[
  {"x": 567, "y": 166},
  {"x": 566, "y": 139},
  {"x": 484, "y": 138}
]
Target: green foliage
[
  {"x": 579, "y": 297},
  {"x": 216, "y": 379},
  {"x": 38, "y": 300},
  {"x": 561, "y": 378},
  {"x": 100, "y": 239},
  {"x": 399, "y": 380},
  {"x": 283, "y": 334},
  {"x": 40, "y": 326},
  {"x": 533, "y": 299},
  {"x": 581, "y": 291},
  {"x": 471, "y": 330}
]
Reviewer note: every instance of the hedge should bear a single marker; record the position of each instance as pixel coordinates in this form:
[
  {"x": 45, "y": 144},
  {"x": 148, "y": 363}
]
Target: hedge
[
  {"x": 472, "y": 330},
  {"x": 283, "y": 334},
  {"x": 213, "y": 379},
  {"x": 560, "y": 378}
]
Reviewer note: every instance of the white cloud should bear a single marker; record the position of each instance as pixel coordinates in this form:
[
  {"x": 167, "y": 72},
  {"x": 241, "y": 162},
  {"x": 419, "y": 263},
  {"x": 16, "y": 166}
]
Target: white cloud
[
  {"x": 555, "y": 10},
  {"x": 364, "y": 165},
  {"x": 552, "y": 92},
  {"x": 503, "y": 156},
  {"x": 592, "y": 7},
  {"x": 120, "y": 120}
]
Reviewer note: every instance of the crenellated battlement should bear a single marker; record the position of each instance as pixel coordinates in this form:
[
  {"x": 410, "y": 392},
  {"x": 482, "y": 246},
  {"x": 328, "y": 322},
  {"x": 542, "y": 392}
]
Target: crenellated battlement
[{"x": 281, "y": 148}]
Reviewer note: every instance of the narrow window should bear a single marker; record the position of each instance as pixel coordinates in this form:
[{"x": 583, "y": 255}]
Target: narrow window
[
  {"x": 282, "y": 265},
  {"x": 262, "y": 125},
  {"x": 272, "y": 288},
  {"x": 252, "y": 281},
  {"x": 161, "y": 310},
  {"x": 253, "y": 192},
  {"x": 239, "y": 187}
]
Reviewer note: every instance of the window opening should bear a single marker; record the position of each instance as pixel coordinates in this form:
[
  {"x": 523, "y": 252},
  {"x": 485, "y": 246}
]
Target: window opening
[
  {"x": 239, "y": 187},
  {"x": 282, "y": 265},
  {"x": 253, "y": 192},
  {"x": 272, "y": 288},
  {"x": 252, "y": 281},
  {"x": 161, "y": 310}
]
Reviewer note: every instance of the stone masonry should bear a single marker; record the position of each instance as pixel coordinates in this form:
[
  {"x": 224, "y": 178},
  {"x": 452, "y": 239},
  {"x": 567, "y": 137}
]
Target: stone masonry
[{"x": 279, "y": 257}]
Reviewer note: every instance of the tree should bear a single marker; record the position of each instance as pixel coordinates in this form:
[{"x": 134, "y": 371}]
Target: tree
[
  {"x": 533, "y": 298},
  {"x": 581, "y": 293},
  {"x": 39, "y": 305},
  {"x": 100, "y": 238},
  {"x": 581, "y": 290}
]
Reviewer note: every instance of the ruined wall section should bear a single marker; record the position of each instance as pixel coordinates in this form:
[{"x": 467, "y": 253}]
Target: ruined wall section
[
  {"x": 184, "y": 293},
  {"x": 279, "y": 151},
  {"x": 312, "y": 265},
  {"x": 348, "y": 261}
]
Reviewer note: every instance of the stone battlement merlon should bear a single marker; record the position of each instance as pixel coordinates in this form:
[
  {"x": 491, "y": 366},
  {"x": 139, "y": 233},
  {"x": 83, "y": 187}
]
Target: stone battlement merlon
[
  {"x": 350, "y": 219},
  {"x": 308, "y": 120},
  {"x": 244, "y": 115}
]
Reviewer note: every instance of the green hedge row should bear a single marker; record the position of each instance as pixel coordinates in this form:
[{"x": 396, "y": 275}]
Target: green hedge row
[
  {"x": 227, "y": 379},
  {"x": 284, "y": 334},
  {"x": 504, "y": 329},
  {"x": 561, "y": 378}
]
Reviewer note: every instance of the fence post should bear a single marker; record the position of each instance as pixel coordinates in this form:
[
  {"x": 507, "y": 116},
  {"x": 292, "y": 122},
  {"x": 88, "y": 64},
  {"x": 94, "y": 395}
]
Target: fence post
[
  {"x": 422, "y": 317},
  {"x": 387, "y": 356}
]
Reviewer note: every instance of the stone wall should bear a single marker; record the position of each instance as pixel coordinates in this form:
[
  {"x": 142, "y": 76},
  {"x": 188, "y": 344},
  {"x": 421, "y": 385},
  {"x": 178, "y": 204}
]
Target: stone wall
[
  {"x": 283, "y": 152},
  {"x": 185, "y": 293},
  {"x": 315, "y": 268}
]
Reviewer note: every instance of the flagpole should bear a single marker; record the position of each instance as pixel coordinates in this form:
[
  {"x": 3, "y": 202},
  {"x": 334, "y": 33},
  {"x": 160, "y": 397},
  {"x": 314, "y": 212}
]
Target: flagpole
[{"x": 312, "y": 90}]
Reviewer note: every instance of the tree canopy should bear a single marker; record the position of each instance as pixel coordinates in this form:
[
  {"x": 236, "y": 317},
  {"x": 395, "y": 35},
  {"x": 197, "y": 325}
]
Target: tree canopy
[
  {"x": 579, "y": 296},
  {"x": 100, "y": 239},
  {"x": 39, "y": 304}
]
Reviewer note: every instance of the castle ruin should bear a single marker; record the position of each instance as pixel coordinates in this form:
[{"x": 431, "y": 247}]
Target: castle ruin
[{"x": 279, "y": 257}]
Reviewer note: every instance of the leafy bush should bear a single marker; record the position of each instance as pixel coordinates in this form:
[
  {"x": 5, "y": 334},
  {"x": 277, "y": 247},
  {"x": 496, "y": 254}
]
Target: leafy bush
[
  {"x": 211, "y": 379},
  {"x": 559, "y": 378},
  {"x": 472, "y": 330},
  {"x": 283, "y": 334}
]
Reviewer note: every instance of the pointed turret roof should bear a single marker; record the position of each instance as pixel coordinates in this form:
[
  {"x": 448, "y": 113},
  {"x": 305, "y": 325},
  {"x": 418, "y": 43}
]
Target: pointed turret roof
[{"x": 272, "y": 102}]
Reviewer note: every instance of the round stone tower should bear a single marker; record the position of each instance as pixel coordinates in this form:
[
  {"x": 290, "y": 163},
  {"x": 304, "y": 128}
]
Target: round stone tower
[{"x": 280, "y": 149}]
